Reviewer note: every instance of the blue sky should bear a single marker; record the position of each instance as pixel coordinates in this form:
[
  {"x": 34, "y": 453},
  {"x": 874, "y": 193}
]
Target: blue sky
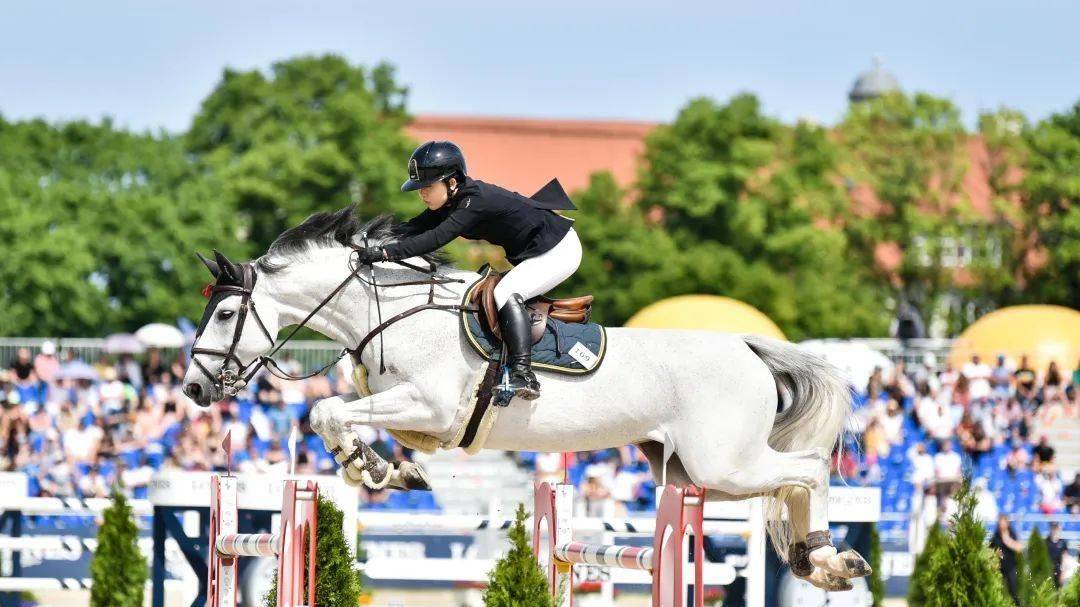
[{"x": 149, "y": 63}]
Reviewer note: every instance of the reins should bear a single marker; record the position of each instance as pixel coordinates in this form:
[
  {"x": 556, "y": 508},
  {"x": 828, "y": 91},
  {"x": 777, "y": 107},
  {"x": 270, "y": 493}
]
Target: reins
[{"x": 229, "y": 379}]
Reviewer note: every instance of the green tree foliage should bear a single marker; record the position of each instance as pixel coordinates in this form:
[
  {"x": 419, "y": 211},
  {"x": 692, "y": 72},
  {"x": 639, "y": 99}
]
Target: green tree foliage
[
  {"x": 626, "y": 258},
  {"x": 118, "y": 569},
  {"x": 877, "y": 585},
  {"x": 909, "y": 155},
  {"x": 749, "y": 205},
  {"x": 1052, "y": 185},
  {"x": 918, "y": 583},
  {"x": 516, "y": 580},
  {"x": 314, "y": 133},
  {"x": 1070, "y": 593},
  {"x": 964, "y": 570},
  {"x": 99, "y": 228},
  {"x": 1036, "y": 570},
  {"x": 337, "y": 582}
]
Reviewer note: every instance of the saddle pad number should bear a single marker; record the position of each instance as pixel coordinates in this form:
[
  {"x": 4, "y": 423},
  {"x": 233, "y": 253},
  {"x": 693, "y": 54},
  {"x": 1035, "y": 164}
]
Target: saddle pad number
[{"x": 583, "y": 355}]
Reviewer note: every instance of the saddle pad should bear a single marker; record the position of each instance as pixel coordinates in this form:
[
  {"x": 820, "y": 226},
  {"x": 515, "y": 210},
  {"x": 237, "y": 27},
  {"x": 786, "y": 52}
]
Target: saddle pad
[{"x": 571, "y": 348}]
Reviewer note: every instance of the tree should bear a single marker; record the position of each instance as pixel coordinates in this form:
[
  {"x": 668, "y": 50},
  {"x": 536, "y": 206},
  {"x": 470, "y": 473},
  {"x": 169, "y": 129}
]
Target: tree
[
  {"x": 1070, "y": 593},
  {"x": 918, "y": 583},
  {"x": 516, "y": 580},
  {"x": 1052, "y": 185},
  {"x": 337, "y": 582},
  {"x": 118, "y": 569},
  {"x": 1037, "y": 569},
  {"x": 964, "y": 570},
  {"x": 877, "y": 585},
  {"x": 312, "y": 133},
  {"x": 751, "y": 206},
  {"x": 114, "y": 219},
  {"x": 905, "y": 159}
]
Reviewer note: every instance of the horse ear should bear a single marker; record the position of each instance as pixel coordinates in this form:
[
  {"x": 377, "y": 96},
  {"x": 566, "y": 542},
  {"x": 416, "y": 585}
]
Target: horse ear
[
  {"x": 229, "y": 270},
  {"x": 210, "y": 265}
]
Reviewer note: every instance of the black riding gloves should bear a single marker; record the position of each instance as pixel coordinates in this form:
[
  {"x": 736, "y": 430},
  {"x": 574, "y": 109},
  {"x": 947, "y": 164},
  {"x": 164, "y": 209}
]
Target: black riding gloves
[{"x": 372, "y": 254}]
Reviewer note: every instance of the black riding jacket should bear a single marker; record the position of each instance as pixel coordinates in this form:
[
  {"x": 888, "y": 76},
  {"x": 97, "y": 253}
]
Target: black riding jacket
[{"x": 523, "y": 227}]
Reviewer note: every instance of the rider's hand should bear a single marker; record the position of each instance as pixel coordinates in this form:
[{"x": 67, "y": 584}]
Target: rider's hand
[{"x": 371, "y": 255}]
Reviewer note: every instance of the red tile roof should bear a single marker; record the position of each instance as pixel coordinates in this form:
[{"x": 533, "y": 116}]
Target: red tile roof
[{"x": 523, "y": 154}]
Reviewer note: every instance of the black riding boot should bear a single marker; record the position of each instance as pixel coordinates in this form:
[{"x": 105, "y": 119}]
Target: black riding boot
[{"x": 517, "y": 334}]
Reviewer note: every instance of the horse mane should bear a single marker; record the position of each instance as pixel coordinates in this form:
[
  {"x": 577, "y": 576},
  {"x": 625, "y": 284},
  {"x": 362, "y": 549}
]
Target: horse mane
[{"x": 341, "y": 228}]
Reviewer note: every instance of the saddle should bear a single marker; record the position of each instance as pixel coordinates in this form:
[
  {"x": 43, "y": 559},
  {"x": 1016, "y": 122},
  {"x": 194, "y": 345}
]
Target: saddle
[{"x": 569, "y": 310}]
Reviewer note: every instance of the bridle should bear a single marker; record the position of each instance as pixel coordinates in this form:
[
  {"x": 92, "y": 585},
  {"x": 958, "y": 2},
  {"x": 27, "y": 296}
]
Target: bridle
[{"x": 230, "y": 381}]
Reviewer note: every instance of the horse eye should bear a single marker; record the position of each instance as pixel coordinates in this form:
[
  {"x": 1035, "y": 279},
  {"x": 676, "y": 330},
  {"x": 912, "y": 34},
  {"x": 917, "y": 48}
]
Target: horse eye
[{"x": 225, "y": 314}]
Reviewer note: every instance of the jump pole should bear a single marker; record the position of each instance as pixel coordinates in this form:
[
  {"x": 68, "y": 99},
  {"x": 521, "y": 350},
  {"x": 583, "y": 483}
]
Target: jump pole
[
  {"x": 680, "y": 510},
  {"x": 299, "y": 517}
]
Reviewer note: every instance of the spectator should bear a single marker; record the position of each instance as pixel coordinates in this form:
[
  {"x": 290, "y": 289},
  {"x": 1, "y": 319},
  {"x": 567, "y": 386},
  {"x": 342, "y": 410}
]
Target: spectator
[
  {"x": 1044, "y": 453},
  {"x": 1001, "y": 377},
  {"x": 23, "y": 367},
  {"x": 1005, "y": 542},
  {"x": 892, "y": 424},
  {"x": 596, "y": 493},
  {"x": 1053, "y": 383},
  {"x": 46, "y": 364},
  {"x": 1025, "y": 381},
  {"x": 1050, "y": 490},
  {"x": 1057, "y": 548},
  {"x": 1017, "y": 459},
  {"x": 973, "y": 438},
  {"x": 1072, "y": 495},
  {"x": 154, "y": 367},
  {"x": 978, "y": 375},
  {"x": 948, "y": 470},
  {"x": 875, "y": 384},
  {"x": 961, "y": 393}
]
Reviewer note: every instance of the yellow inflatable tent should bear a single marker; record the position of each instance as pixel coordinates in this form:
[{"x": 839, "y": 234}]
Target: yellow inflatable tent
[
  {"x": 705, "y": 312},
  {"x": 1043, "y": 333}
]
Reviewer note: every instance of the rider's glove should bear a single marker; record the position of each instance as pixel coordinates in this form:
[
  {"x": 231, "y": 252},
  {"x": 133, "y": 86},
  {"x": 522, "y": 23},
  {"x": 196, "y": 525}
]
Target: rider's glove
[{"x": 371, "y": 255}]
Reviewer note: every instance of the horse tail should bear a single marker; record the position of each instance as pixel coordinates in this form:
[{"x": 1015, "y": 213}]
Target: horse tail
[{"x": 819, "y": 400}]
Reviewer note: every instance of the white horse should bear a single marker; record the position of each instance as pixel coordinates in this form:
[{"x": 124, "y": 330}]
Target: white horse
[{"x": 701, "y": 405}]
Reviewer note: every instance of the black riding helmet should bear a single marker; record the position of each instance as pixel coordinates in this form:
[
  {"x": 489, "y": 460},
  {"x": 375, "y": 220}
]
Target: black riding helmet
[{"x": 434, "y": 161}]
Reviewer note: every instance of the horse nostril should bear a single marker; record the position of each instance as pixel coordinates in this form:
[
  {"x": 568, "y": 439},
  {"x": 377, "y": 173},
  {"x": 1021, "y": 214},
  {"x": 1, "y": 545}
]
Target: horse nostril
[{"x": 193, "y": 391}]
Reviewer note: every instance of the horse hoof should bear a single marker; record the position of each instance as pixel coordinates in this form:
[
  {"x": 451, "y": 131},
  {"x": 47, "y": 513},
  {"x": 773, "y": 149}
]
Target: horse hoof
[
  {"x": 411, "y": 477},
  {"x": 827, "y": 581},
  {"x": 853, "y": 564}
]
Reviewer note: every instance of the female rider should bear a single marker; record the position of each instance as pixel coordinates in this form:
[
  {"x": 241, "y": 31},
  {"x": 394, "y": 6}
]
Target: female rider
[{"x": 540, "y": 244}]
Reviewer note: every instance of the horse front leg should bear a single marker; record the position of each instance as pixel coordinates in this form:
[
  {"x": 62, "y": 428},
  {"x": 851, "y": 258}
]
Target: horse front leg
[{"x": 333, "y": 420}]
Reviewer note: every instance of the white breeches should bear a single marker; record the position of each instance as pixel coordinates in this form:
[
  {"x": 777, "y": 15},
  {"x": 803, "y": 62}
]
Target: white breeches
[{"x": 540, "y": 274}]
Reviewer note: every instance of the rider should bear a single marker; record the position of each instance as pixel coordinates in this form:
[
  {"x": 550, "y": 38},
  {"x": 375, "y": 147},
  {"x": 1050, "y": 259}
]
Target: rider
[{"x": 540, "y": 244}]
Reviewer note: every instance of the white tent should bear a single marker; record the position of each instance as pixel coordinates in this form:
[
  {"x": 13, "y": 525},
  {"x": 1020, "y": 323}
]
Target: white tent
[{"x": 856, "y": 360}]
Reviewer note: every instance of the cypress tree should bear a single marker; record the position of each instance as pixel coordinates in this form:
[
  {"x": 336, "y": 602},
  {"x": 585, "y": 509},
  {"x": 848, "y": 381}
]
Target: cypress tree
[
  {"x": 337, "y": 582},
  {"x": 118, "y": 569},
  {"x": 964, "y": 570},
  {"x": 1070, "y": 592},
  {"x": 517, "y": 580},
  {"x": 877, "y": 586},
  {"x": 1037, "y": 568},
  {"x": 917, "y": 584}
]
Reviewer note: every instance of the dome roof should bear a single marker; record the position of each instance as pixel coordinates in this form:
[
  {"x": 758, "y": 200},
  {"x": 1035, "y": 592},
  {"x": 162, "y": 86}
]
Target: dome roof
[
  {"x": 872, "y": 83},
  {"x": 705, "y": 312},
  {"x": 1043, "y": 333}
]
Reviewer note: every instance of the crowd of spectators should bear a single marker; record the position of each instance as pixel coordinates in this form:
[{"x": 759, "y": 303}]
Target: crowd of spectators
[
  {"x": 78, "y": 427},
  {"x": 916, "y": 433}
]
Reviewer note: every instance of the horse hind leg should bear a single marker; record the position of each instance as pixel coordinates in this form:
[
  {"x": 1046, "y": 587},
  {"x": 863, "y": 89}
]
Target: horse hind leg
[{"x": 812, "y": 555}]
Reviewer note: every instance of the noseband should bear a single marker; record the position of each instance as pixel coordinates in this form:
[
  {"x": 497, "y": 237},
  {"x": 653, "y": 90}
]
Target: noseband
[
  {"x": 227, "y": 379},
  {"x": 231, "y": 382}
]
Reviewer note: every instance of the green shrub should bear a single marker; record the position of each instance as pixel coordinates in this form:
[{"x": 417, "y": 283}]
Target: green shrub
[{"x": 118, "y": 569}]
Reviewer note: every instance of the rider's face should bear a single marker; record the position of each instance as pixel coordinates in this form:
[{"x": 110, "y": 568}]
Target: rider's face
[{"x": 436, "y": 194}]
